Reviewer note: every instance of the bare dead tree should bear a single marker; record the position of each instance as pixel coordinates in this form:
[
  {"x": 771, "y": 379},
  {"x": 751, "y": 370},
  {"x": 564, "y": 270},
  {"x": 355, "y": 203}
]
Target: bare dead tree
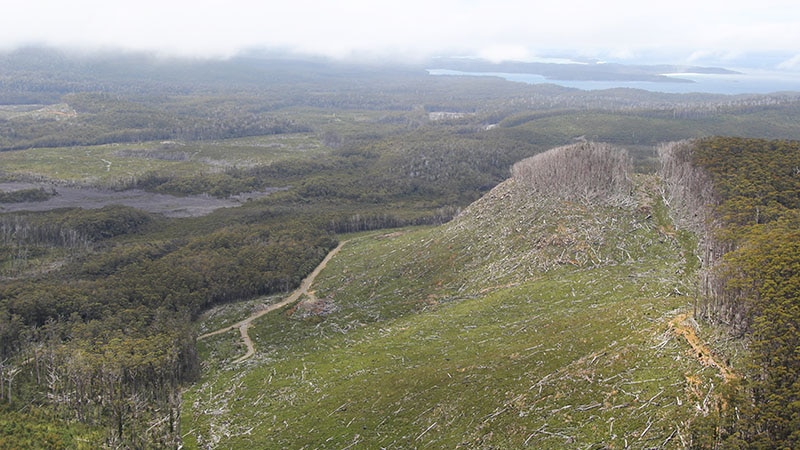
[
  {"x": 689, "y": 193},
  {"x": 8, "y": 374},
  {"x": 587, "y": 171}
]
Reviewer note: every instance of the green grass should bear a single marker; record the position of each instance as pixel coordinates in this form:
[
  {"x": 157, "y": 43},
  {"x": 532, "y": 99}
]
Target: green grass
[
  {"x": 423, "y": 353},
  {"x": 114, "y": 163}
]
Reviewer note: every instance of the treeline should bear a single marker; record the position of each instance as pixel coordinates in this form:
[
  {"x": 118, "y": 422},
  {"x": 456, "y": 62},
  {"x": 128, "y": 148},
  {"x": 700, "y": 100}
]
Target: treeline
[
  {"x": 71, "y": 228},
  {"x": 24, "y": 241},
  {"x": 746, "y": 194},
  {"x": 26, "y": 195},
  {"x": 377, "y": 221},
  {"x": 24, "y": 236},
  {"x": 443, "y": 168},
  {"x": 104, "y": 118}
]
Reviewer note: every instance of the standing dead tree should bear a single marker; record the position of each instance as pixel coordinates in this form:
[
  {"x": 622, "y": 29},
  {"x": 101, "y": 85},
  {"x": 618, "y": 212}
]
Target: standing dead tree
[
  {"x": 689, "y": 193},
  {"x": 688, "y": 189},
  {"x": 587, "y": 171}
]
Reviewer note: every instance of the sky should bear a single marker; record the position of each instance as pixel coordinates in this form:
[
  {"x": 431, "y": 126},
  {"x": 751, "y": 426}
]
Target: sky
[{"x": 673, "y": 31}]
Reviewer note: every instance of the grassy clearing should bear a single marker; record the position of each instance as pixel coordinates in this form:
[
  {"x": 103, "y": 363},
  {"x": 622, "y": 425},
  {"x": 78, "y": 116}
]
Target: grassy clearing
[
  {"x": 229, "y": 314},
  {"x": 422, "y": 351},
  {"x": 114, "y": 163}
]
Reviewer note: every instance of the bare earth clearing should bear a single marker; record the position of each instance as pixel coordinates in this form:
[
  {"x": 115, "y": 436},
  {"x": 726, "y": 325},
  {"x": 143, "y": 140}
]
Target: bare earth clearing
[
  {"x": 243, "y": 325},
  {"x": 93, "y": 198}
]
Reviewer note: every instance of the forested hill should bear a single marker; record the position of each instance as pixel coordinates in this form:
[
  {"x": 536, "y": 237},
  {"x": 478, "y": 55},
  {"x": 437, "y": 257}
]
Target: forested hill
[{"x": 742, "y": 198}]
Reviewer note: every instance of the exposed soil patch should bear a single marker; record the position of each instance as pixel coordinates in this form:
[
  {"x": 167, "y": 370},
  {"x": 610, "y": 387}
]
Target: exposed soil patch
[
  {"x": 93, "y": 198},
  {"x": 311, "y": 306},
  {"x": 702, "y": 352}
]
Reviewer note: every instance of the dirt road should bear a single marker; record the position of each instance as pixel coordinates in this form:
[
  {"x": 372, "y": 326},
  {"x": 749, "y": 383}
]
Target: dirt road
[{"x": 294, "y": 296}]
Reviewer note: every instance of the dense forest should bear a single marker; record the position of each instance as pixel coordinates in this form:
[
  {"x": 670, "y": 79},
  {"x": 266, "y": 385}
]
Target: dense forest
[
  {"x": 746, "y": 193},
  {"x": 97, "y": 305},
  {"x": 107, "y": 339}
]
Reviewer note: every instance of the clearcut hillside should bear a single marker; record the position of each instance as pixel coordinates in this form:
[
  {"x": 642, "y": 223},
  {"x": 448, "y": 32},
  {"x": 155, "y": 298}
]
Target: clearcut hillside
[{"x": 533, "y": 319}]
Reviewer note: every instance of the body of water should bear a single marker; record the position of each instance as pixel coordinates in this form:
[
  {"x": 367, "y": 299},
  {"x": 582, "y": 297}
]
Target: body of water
[{"x": 746, "y": 82}]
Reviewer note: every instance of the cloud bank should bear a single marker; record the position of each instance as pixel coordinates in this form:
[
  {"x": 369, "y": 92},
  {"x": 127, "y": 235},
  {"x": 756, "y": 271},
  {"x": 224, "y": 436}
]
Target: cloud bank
[{"x": 496, "y": 29}]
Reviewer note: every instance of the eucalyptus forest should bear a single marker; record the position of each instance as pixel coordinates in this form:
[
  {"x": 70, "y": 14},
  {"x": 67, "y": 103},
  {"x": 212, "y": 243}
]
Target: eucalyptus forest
[{"x": 101, "y": 306}]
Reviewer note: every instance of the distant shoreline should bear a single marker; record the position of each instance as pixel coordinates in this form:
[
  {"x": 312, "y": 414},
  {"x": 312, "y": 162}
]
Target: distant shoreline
[{"x": 726, "y": 83}]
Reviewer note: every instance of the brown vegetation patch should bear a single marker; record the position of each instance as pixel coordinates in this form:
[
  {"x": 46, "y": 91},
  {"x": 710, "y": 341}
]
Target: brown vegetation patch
[
  {"x": 700, "y": 350},
  {"x": 313, "y": 306}
]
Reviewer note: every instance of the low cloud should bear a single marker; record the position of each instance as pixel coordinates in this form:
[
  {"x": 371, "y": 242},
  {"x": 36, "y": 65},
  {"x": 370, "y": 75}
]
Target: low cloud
[
  {"x": 497, "y": 29},
  {"x": 792, "y": 63}
]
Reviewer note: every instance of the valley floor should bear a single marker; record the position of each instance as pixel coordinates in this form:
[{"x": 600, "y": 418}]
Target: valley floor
[{"x": 92, "y": 198}]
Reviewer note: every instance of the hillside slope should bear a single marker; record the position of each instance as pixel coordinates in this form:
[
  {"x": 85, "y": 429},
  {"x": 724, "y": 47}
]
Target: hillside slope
[{"x": 546, "y": 322}]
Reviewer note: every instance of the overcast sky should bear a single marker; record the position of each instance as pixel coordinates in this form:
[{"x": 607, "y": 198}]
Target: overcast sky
[{"x": 685, "y": 31}]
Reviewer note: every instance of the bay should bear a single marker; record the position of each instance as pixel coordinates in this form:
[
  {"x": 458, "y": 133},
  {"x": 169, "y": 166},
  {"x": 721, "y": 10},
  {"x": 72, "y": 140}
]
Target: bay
[{"x": 744, "y": 82}]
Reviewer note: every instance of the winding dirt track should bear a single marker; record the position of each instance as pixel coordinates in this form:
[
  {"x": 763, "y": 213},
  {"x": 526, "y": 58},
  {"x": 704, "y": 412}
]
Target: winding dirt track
[{"x": 294, "y": 296}]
